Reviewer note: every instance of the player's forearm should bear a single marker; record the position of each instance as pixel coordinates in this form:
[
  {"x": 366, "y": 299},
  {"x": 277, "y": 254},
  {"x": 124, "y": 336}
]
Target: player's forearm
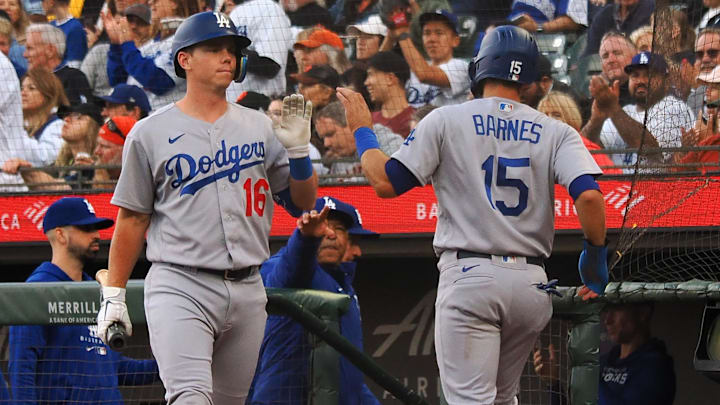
[
  {"x": 590, "y": 207},
  {"x": 425, "y": 72},
  {"x": 373, "y": 163},
  {"x": 127, "y": 242},
  {"x": 304, "y": 192}
]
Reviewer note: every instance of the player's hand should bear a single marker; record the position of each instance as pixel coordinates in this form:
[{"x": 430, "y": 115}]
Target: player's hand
[
  {"x": 546, "y": 370},
  {"x": 294, "y": 128},
  {"x": 357, "y": 112},
  {"x": 586, "y": 294},
  {"x": 113, "y": 309},
  {"x": 593, "y": 267},
  {"x": 314, "y": 224}
]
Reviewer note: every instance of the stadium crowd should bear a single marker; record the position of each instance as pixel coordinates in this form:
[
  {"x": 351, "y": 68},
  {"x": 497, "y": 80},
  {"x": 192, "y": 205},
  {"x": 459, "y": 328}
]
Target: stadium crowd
[{"x": 629, "y": 76}]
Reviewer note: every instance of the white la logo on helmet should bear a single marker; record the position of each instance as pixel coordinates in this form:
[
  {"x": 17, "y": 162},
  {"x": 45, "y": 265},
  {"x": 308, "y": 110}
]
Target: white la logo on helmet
[
  {"x": 330, "y": 203},
  {"x": 358, "y": 216},
  {"x": 222, "y": 20},
  {"x": 89, "y": 206}
]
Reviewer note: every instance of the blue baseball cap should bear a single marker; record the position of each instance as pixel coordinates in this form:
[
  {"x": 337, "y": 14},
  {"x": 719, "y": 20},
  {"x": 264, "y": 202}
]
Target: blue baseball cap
[
  {"x": 440, "y": 15},
  {"x": 351, "y": 214},
  {"x": 648, "y": 60},
  {"x": 74, "y": 211},
  {"x": 127, "y": 93}
]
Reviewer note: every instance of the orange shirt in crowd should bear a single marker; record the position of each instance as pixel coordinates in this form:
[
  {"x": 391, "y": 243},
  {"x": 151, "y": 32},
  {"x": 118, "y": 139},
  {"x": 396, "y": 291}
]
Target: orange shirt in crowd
[{"x": 600, "y": 159}]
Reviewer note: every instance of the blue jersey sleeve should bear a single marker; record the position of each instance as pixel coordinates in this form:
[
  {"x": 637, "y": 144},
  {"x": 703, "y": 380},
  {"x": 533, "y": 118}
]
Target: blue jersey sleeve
[
  {"x": 145, "y": 71},
  {"x": 284, "y": 199},
  {"x": 400, "y": 177},
  {"x": 76, "y": 43},
  {"x": 26, "y": 345},
  {"x": 294, "y": 265},
  {"x": 115, "y": 69}
]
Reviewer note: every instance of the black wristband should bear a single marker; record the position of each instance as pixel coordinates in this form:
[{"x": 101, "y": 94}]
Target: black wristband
[{"x": 403, "y": 36}]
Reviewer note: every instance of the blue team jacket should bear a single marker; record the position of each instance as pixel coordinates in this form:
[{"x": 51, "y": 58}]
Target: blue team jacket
[
  {"x": 645, "y": 377},
  {"x": 76, "y": 46},
  {"x": 282, "y": 372},
  {"x": 69, "y": 364}
]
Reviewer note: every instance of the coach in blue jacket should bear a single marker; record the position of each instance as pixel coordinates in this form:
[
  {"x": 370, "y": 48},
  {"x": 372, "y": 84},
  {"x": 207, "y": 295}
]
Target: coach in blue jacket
[
  {"x": 69, "y": 364},
  {"x": 320, "y": 256}
]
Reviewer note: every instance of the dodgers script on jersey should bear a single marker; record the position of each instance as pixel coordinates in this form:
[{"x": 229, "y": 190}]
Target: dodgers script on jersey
[
  {"x": 493, "y": 164},
  {"x": 208, "y": 186}
]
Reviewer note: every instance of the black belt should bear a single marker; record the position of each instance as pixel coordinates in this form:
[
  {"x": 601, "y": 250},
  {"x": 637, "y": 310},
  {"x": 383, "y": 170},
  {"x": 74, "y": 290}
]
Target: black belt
[
  {"x": 232, "y": 274},
  {"x": 464, "y": 254}
]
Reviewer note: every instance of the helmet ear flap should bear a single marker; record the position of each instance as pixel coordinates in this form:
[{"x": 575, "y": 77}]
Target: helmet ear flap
[
  {"x": 241, "y": 68},
  {"x": 471, "y": 70}
]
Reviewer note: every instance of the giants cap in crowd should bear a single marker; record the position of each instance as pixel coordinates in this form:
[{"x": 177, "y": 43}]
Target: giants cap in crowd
[
  {"x": 140, "y": 11},
  {"x": 128, "y": 94},
  {"x": 319, "y": 37},
  {"x": 89, "y": 109},
  {"x": 116, "y": 129},
  {"x": 73, "y": 211},
  {"x": 648, "y": 60},
  {"x": 440, "y": 15},
  {"x": 352, "y": 215},
  {"x": 322, "y": 74},
  {"x": 372, "y": 26},
  {"x": 712, "y": 76}
]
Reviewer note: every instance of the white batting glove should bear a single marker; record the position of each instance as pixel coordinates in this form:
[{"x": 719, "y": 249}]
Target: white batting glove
[
  {"x": 113, "y": 309},
  {"x": 294, "y": 129}
]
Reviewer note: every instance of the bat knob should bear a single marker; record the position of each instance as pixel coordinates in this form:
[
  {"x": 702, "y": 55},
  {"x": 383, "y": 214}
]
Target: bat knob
[{"x": 116, "y": 336}]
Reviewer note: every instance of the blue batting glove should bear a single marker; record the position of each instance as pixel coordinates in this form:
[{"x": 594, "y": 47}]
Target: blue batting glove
[{"x": 593, "y": 267}]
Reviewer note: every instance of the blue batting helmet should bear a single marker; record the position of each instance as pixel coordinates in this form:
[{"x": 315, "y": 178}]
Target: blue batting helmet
[
  {"x": 508, "y": 53},
  {"x": 205, "y": 26}
]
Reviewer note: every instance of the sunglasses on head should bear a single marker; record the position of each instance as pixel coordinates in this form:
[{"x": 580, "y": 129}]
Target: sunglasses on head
[
  {"x": 114, "y": 128},
  {"x": 712, "y": 53}
]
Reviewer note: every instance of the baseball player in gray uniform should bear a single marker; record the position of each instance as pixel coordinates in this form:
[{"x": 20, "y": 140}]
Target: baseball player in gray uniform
[
  {"x": 199, "y": 176},
  {"x": 493, "y": 163}
]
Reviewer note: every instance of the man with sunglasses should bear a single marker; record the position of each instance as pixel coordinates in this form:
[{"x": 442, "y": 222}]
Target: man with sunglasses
[
  {"x": 38, "y": 353},
  {"x": 707, "y": 56},
  {"x": 109, "y": 149}
]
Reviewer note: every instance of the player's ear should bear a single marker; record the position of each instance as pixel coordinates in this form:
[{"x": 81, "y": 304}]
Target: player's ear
[{"x": 183, "y": 58}]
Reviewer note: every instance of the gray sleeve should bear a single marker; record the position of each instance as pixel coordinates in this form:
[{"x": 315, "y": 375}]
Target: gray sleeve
[
  {"x": 277, "y": 163},
  {"x": 420, "y": 152},
  {"x": 572, "y": 159},
  {"x": 135, "y": 188}
]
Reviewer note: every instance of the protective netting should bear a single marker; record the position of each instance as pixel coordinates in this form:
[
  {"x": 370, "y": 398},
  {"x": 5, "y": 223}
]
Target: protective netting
[{"x": 549, "y": 385}]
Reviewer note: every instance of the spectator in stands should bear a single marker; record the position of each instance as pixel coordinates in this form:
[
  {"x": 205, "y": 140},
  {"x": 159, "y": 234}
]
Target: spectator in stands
[
  {"x": 53, "y": 363},
  {"x": 323, "y": 47},
  {"x": 636, "y": 370},
  {"x": 295, "y": 62},
  {"x": 18, "y": 18},
  {"x": 707, "y": 56},
  {"x": 711, "y": 16},
  {"x": 126, "y": 100},
  {"x": 149, "y": 66},
  {"x": 419, "y": 114},
  {"x": 331, "y": 126},
  {"x": 110, "y": 142},
  {"x": 674, "y": 36},
  {"x": 79, "y": 133},
  {"x": 316, "y": 257},
  {"x": 626, "y": 127},
  {"x": 368, "y": 37},
  {"x": 562, "y": 107},
  {"x": 45, "y": 47},
  {"x": 532, "y": 93},
  {"x": 318, "y": 85},
  {"x": 10, "y": 47},
  {"x": 386, "y": 77},
  {"x": 550, "y": 15},
  {"x": 643, "y": 38},
  {"x": 624, "y": 16},
  {"x": 76, "y": 45},
  {"x": 265, "y": 23},
  {"x": 306, "y": 13},
  {"x": 444, "y": 79},
  {"x": 11, "y": 121}
]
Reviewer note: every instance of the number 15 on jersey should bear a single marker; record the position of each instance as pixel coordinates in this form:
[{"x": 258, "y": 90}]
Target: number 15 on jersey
[{"x": 502, "y": 180}]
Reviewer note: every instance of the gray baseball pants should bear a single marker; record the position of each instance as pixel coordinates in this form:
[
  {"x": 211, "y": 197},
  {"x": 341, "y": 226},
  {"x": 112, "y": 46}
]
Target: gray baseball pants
[
  {"x": 488, "y": 315},
  {"x": 205, "y": 333}
]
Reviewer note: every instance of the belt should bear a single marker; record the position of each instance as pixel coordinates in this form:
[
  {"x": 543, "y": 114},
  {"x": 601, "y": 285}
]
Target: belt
[
  {"x": 232, "y": 274},
  {"x": 464, "y": 254}
]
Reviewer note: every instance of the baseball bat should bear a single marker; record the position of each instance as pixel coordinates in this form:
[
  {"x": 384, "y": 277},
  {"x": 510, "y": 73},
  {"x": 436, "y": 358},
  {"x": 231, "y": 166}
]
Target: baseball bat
[{"x": 116, "y": 334}]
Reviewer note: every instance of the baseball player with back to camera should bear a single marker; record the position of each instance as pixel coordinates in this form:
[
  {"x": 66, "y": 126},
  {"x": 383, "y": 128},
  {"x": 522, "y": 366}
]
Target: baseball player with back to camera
[
  {"x": 199, "y": 176},
  {"x": 493, "y": 163}
]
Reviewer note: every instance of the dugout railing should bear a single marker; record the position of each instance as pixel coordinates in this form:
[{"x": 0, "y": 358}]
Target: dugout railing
[{"x": 575, "y": 330}]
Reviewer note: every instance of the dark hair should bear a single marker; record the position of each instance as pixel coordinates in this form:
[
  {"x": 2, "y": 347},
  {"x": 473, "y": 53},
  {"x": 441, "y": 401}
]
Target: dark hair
[{"x": 391, "y": 62}]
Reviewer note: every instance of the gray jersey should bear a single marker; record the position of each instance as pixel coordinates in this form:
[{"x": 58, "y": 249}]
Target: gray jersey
[
  {"x": 493, "y": 164},
  {"x": 207, "y": 186}
]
